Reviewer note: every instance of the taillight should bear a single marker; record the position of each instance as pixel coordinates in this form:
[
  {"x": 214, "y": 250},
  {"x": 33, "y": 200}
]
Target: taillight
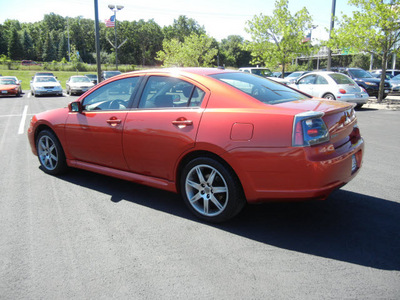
[
  {"x": 309, "y": 129},
  {"x": 342, "y": 91}
]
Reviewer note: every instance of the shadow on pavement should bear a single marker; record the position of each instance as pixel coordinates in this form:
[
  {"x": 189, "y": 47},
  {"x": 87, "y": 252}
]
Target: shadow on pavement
[{"x": 348, "y": 227}]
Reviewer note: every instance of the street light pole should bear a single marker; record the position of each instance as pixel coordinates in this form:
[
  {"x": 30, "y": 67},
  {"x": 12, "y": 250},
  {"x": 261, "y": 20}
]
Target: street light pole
[{"x": 115, "y": 8}]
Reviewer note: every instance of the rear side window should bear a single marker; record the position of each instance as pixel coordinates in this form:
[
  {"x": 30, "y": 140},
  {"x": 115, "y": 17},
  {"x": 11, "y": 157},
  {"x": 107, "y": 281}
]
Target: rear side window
[
  {"x": 341, "y": 79},
  {"x": 170, "y": 92},
  {"x": 263, "y": 89}
]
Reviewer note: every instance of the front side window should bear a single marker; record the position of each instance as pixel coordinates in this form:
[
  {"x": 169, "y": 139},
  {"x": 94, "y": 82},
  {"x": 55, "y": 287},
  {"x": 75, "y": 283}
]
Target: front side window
[
  {"x": 170, "y": 92},
  {"x": 115, "y": 95},
  {"x": 263, "y": 89},
  {"x": 310, "y": 79}
]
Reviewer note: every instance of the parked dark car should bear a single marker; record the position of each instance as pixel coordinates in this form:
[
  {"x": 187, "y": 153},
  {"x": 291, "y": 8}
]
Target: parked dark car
[
  {"x": 92, "y": 77},
  {"x": 366, "y": 80},
  {"x": 108, "y": 74}
]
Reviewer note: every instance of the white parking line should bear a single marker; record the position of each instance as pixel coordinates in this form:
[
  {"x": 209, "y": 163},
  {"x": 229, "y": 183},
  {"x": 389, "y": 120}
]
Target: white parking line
[{"x": 22, "y": 124}]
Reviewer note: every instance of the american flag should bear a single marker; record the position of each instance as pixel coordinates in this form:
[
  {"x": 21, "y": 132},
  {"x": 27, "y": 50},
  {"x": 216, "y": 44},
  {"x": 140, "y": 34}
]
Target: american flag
[
  {"x": 307, "y": 38},
  {"x": 110, "y": 22}
]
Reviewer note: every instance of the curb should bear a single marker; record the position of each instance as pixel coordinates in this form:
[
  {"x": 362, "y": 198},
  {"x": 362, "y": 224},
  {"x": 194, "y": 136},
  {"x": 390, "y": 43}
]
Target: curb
[{"x": 390, "y": 103}]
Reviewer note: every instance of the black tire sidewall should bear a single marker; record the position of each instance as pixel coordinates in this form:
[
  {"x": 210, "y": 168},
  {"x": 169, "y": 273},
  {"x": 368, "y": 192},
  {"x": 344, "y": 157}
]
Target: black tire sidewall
[
  {"x": 61, "y": 163},
  {"x": 236, "y": 199}
]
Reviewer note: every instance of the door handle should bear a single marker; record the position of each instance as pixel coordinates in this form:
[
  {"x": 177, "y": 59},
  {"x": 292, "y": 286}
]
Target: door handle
[
  {"x": 182, "y": 122},
  {"x": 113, "y": 121}
]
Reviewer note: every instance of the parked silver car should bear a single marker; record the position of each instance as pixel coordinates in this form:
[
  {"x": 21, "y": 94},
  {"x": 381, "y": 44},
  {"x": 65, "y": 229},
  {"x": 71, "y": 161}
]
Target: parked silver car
[
  {"x": 331, "y": 85},
  {"x": 45, "y": 85}
]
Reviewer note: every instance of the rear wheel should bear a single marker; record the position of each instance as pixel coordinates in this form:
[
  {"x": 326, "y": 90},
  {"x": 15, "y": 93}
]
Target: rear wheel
[
  {"x": 211, "y": 190},
  {"x": 50, "y": 153},
  {"x": 329, "y": 96}
]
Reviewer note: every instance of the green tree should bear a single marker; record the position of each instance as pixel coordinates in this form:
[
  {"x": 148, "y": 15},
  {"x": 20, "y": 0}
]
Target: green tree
[
  {"x": 49, "y": 48},
  {"x": 278, "y": 38},
  {"x": 195, "y": 51},
  {"x": 150, "y": 36},
  {"x": 233, "y": 53},
  {"x": 373, "y": 28},
  {"x": 15, "y": 48},
  {"x": 183, "y": 27},
  {"x": 3, "y": 40},
  {"x": 62, "y": 51},
  {"x": 27, "y": 43}
]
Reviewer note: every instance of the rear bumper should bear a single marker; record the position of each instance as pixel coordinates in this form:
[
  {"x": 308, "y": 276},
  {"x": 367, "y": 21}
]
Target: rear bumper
[{"x": 287, "y": 174}]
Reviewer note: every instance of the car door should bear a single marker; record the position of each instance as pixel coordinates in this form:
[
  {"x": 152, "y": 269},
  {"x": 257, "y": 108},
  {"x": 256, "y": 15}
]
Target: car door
[
  {"x": 94, "y": 135},
  {"x": 321, "y": 86},
  {"x": 306, "y": 84},
  {"x": 164, "y": 126}
]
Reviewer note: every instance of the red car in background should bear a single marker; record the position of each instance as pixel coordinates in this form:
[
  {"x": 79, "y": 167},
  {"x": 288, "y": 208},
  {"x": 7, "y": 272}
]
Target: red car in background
[
  {"x": 221, "y": 138},
  {"x": 9, "y": 86}
]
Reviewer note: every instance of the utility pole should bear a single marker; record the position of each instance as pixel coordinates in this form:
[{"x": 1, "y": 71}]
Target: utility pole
[
  {"x": 330, "y": 31},
  {"x": 97, "y": 34}
]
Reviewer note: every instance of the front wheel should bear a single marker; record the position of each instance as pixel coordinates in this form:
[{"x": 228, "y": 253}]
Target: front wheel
[
  {"x": 50, "y": 153},
  {"x": 211, "y": 190}
]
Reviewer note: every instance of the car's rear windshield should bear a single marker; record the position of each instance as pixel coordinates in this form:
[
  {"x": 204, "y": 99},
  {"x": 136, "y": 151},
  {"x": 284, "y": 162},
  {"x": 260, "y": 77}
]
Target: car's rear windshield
[
  {"x": 264, "y": 90},
  {"x": 341, "y": 79}
]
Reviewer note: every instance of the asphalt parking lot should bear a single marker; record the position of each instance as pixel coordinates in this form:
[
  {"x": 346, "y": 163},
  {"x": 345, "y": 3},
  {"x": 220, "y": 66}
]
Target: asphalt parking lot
[{"x": 87, "y": 236}]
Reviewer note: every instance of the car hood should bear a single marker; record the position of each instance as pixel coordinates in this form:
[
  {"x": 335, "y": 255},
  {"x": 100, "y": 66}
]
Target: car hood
[
  {"x": 374, "y": 80},
  {"x": 8, "y": 86},
  {"x": 46, "y": 84},
  {"x": 81, "y": 84}
]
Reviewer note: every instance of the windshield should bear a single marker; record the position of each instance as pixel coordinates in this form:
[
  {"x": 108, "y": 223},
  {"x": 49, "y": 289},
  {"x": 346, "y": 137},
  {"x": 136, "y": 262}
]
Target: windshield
[
  {"x": 295, "y": 74},
  {"x": 110, "y": 73},
  {"x": 396, "y": 78},
  {"x": 360, "y": 73},
  {"x": 7, "y": 81},
  {"x": 45, "y": 79},
  {"x": 261, "y": 72},
  {"x": 264, "y": 90},
  {"x": 80, "y": 79}
]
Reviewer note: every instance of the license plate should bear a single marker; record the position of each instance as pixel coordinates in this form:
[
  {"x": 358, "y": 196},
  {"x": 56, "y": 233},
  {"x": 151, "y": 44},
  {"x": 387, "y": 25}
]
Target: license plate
[
  {"x": 387, "y": 91},
  {"x": 353, "y": 163},
  {"x": 4, "y": 92},
  {"x": 358, "y": 95}
]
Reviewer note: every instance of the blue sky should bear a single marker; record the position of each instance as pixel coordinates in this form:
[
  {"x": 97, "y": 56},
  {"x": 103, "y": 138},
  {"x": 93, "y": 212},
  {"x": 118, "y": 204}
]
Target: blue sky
[{"x": 219, "y": 17}]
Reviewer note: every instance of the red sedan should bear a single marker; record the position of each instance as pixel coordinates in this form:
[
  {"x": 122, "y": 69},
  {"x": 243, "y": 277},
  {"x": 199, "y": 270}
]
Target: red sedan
[
  {"x": 9, "y": 86},
  {"x": 221, "y": 138}
]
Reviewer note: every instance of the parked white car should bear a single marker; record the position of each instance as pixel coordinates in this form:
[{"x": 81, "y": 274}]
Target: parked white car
[
  {"x": 331, "y": 85},
  {"x": 45, "y": 85},
  {"x": 265, "y": 72},
  {"x": 78, "y": 84}
]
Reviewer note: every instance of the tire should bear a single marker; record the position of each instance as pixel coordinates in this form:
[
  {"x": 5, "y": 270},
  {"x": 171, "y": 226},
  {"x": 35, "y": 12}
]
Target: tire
[
  {"x": 50, "y": 153},
  {"x": 211, "y": 191},
  {"x": 329, "y": 96}
]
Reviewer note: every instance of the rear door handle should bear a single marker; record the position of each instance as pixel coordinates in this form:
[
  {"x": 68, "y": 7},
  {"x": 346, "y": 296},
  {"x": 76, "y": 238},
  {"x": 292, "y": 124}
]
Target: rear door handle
[
  {"x": 182, "y": 122},
  {"x": 113, "y": 121}
]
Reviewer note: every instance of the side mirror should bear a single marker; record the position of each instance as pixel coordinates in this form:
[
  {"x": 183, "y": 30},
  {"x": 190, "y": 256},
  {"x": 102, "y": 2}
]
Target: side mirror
[{"x": 75, "y": 107}]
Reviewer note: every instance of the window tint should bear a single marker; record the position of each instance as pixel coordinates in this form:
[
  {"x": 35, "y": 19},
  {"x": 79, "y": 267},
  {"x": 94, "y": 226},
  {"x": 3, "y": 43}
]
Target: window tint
[
  {"x": 341, "y": 79},
  {"x": 264, "y": 90},
  {"x": 321, "y": 80},
  {"x": 170, "y": 92},
  {"x": 310, "y": 79},
  {"x": 113, "y": 96}
]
